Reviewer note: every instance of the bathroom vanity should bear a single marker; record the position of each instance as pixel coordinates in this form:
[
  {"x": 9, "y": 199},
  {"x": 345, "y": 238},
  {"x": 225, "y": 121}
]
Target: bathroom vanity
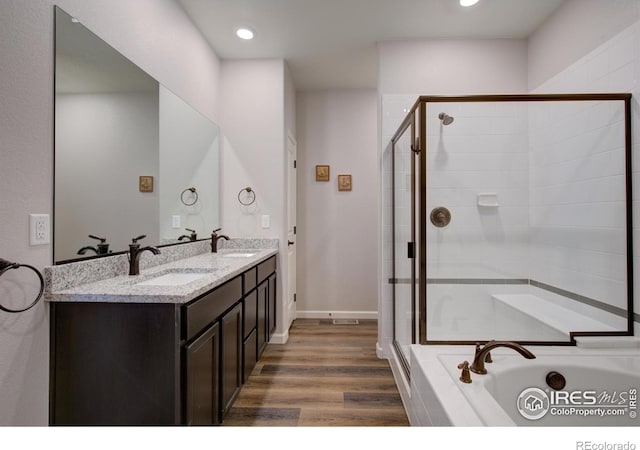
[{"x": 172, "y": 346}]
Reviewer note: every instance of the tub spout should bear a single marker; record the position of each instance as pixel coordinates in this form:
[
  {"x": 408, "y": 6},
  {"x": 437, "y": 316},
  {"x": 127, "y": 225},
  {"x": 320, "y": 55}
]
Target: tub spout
[{"x": 480, "y": 357}]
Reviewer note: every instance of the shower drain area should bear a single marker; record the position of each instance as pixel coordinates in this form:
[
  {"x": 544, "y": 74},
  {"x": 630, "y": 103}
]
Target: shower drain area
[{"x": 346, "y": 322}]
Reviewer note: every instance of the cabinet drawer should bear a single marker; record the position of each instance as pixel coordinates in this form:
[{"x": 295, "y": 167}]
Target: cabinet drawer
[
  {"x": 250, "y": 279},
  {"x": 206, "y": 309},
  {"x": 266, "y": 268},
  {"x": 250, "y": 312}
]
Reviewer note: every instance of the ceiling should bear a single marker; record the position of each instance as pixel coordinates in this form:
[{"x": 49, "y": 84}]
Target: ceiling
[{"x": 332, "y": 43}]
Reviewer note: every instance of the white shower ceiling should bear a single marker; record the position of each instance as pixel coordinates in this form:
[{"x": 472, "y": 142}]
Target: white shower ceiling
[{"x": 332, "y": 43}]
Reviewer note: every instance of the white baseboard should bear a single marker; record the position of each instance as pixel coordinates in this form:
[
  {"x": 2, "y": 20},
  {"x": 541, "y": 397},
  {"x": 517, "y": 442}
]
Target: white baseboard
[
  {"x": 279, "y": 338},
  {"x": 336, "y": 314}
]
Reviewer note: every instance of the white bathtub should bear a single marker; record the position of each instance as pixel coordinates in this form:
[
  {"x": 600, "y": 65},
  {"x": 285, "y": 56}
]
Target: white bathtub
[{"x": 602, "y": 388}]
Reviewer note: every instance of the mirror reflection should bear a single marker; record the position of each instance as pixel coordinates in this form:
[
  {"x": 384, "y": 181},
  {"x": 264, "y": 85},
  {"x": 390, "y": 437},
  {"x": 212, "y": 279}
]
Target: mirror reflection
[{"x": 131, "y": 157}]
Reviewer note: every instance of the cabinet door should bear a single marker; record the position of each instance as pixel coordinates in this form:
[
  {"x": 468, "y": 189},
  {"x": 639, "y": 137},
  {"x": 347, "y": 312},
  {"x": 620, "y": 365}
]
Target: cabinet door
[
  {"x": 250, "y": 355},
  {"x": 202, "y": 368},
  {"x": 262, "y": 324},
  {"x": 271, "y": 305},
  {"x": 231, "y": 357}
]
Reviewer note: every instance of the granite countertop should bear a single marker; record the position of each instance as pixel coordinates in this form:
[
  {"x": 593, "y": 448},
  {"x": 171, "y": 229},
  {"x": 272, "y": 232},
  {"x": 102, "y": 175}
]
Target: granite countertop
[{"x": 210, "y": 269}]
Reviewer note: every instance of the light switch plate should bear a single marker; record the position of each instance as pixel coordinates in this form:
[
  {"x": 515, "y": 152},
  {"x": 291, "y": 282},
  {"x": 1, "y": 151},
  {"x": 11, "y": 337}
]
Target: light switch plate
[
  {"x": 266, "y": 221},
  {"x": 175, "y": 221},
  {"x": 39, "y": 229}
]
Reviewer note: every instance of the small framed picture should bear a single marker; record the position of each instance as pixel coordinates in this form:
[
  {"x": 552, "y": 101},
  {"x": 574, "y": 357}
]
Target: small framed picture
[
  {"x": 146, "y": 183},
  {"x": 322, "y": 173},
  {"x": 344, "y": 182}
]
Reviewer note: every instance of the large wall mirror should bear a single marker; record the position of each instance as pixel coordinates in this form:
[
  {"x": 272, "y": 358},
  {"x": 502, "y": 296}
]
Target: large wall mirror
[{"x": 131, "y": 158}]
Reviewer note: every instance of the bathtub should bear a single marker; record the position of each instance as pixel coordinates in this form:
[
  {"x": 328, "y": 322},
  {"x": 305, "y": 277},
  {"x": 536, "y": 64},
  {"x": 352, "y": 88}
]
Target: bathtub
[{"x": 602, "y": 387}]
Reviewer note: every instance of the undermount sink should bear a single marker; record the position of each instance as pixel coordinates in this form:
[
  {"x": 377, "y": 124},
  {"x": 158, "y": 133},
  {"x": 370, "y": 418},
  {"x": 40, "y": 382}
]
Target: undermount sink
[
  {"x": 238, "y": 253},
  {"x": 173, "y": 279}
]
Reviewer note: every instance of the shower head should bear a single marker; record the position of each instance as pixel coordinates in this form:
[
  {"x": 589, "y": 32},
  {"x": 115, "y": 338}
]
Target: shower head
[{"x": 446, "y": 118}]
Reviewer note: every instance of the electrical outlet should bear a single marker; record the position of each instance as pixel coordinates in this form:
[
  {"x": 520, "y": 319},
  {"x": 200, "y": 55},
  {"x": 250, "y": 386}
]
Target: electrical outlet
[{"x": 39, "y": 229}]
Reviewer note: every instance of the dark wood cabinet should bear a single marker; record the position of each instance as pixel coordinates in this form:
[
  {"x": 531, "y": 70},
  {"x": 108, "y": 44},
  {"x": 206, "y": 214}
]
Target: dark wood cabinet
[
  {"x": 202, "y": 363},
  {"x": 159, "y": 363},
  {"x": 114, "y": 364},
  {"x": 231, "y": 356},
  {"x": 262, "y": 330},
  {"x": 250, "y": 351},
  {"x": 271, "y": 305}
]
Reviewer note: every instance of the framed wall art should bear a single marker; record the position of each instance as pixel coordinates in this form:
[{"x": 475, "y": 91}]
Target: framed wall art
[
  {"x": 146, "y": 183},
  {"x": 322, "y": 173},
  {"x": 344, "y": 182}
]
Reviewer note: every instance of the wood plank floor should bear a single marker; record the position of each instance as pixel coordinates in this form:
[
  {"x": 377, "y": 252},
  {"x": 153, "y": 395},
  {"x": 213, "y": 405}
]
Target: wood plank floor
[{"x": 325, "y": 375}]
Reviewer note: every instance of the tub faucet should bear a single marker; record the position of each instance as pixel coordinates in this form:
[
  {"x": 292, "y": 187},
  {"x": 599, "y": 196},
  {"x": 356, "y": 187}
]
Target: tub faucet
[
  {"x": 481, "y": 354},
  {"x": 134, "y": 254},
  {"x": 192, "y": 237},
  {"x": 215, "y": 237}
]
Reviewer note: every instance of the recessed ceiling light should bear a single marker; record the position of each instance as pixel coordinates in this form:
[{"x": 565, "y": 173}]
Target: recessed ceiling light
[
  {"x": 244, "y": 33},
  {"x": 468, "y": 2}
]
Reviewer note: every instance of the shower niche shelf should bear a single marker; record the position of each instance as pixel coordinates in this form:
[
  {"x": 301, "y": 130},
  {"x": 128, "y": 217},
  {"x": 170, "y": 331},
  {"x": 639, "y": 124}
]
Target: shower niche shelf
[{"x": 488, "y": 200}]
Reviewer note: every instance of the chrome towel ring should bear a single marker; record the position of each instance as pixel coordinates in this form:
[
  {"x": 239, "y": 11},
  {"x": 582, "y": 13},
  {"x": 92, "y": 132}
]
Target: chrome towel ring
[{"x": 6, "y": 266}]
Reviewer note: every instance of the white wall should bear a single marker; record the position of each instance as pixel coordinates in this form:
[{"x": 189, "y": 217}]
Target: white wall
[
  {"x": 575, "y": 29},
  {"x": 156, "y": 35},
  {"x": 337, "y": 231},
  {"x": 441, "y": 67},
  {"x": 119, "y": 137},
  {"x": 254, "y": 155},
  {"x": 252, "y": 121}
]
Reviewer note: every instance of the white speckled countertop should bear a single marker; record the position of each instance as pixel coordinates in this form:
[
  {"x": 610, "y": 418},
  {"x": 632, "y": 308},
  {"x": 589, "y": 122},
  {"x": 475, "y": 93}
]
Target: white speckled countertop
[{"x": 62, "y": 283}]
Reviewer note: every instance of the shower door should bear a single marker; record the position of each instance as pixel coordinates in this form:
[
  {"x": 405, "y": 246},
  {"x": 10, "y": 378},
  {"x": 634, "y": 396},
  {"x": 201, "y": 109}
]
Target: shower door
[{"x": 405, "y": 205}]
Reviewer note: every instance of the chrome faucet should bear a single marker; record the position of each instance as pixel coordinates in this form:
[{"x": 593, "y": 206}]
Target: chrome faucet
[
  {"x": 134, "y": 254},
  {"x": 215, "y": 238},
  {"x": 481, "y": 354},
  {"x": 192, "y": 237}
]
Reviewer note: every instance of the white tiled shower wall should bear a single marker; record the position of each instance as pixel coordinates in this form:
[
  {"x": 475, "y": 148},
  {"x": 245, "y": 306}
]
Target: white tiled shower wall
[{"x": 484, "y": 151}]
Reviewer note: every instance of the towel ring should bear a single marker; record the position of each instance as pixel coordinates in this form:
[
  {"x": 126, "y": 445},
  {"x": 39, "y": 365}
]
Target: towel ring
[
  {"x": 194, "y": 194},
  {"x": 4, "y": 267},
  {"x": 251, "y": 196}
]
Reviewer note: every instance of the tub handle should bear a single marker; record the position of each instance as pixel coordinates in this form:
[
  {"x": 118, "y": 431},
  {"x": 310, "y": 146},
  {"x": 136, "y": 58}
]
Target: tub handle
[{"x": 465, "y": 376}]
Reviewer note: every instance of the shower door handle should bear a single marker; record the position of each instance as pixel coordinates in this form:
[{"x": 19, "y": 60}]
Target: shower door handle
[{"x": 411, "y": 251}]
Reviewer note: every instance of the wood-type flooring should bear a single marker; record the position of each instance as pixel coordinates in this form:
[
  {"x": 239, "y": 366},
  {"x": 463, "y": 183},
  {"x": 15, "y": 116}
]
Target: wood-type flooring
[{"x": 325, "y": 375}]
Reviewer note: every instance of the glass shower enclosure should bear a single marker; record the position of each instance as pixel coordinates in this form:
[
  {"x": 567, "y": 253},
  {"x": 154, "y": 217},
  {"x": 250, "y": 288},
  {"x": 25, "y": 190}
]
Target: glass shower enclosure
[{"x": 511, "y": 220}]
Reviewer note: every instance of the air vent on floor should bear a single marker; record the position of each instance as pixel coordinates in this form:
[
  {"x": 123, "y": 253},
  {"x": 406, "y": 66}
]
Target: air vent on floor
[{"x": 345, "y": 321}]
